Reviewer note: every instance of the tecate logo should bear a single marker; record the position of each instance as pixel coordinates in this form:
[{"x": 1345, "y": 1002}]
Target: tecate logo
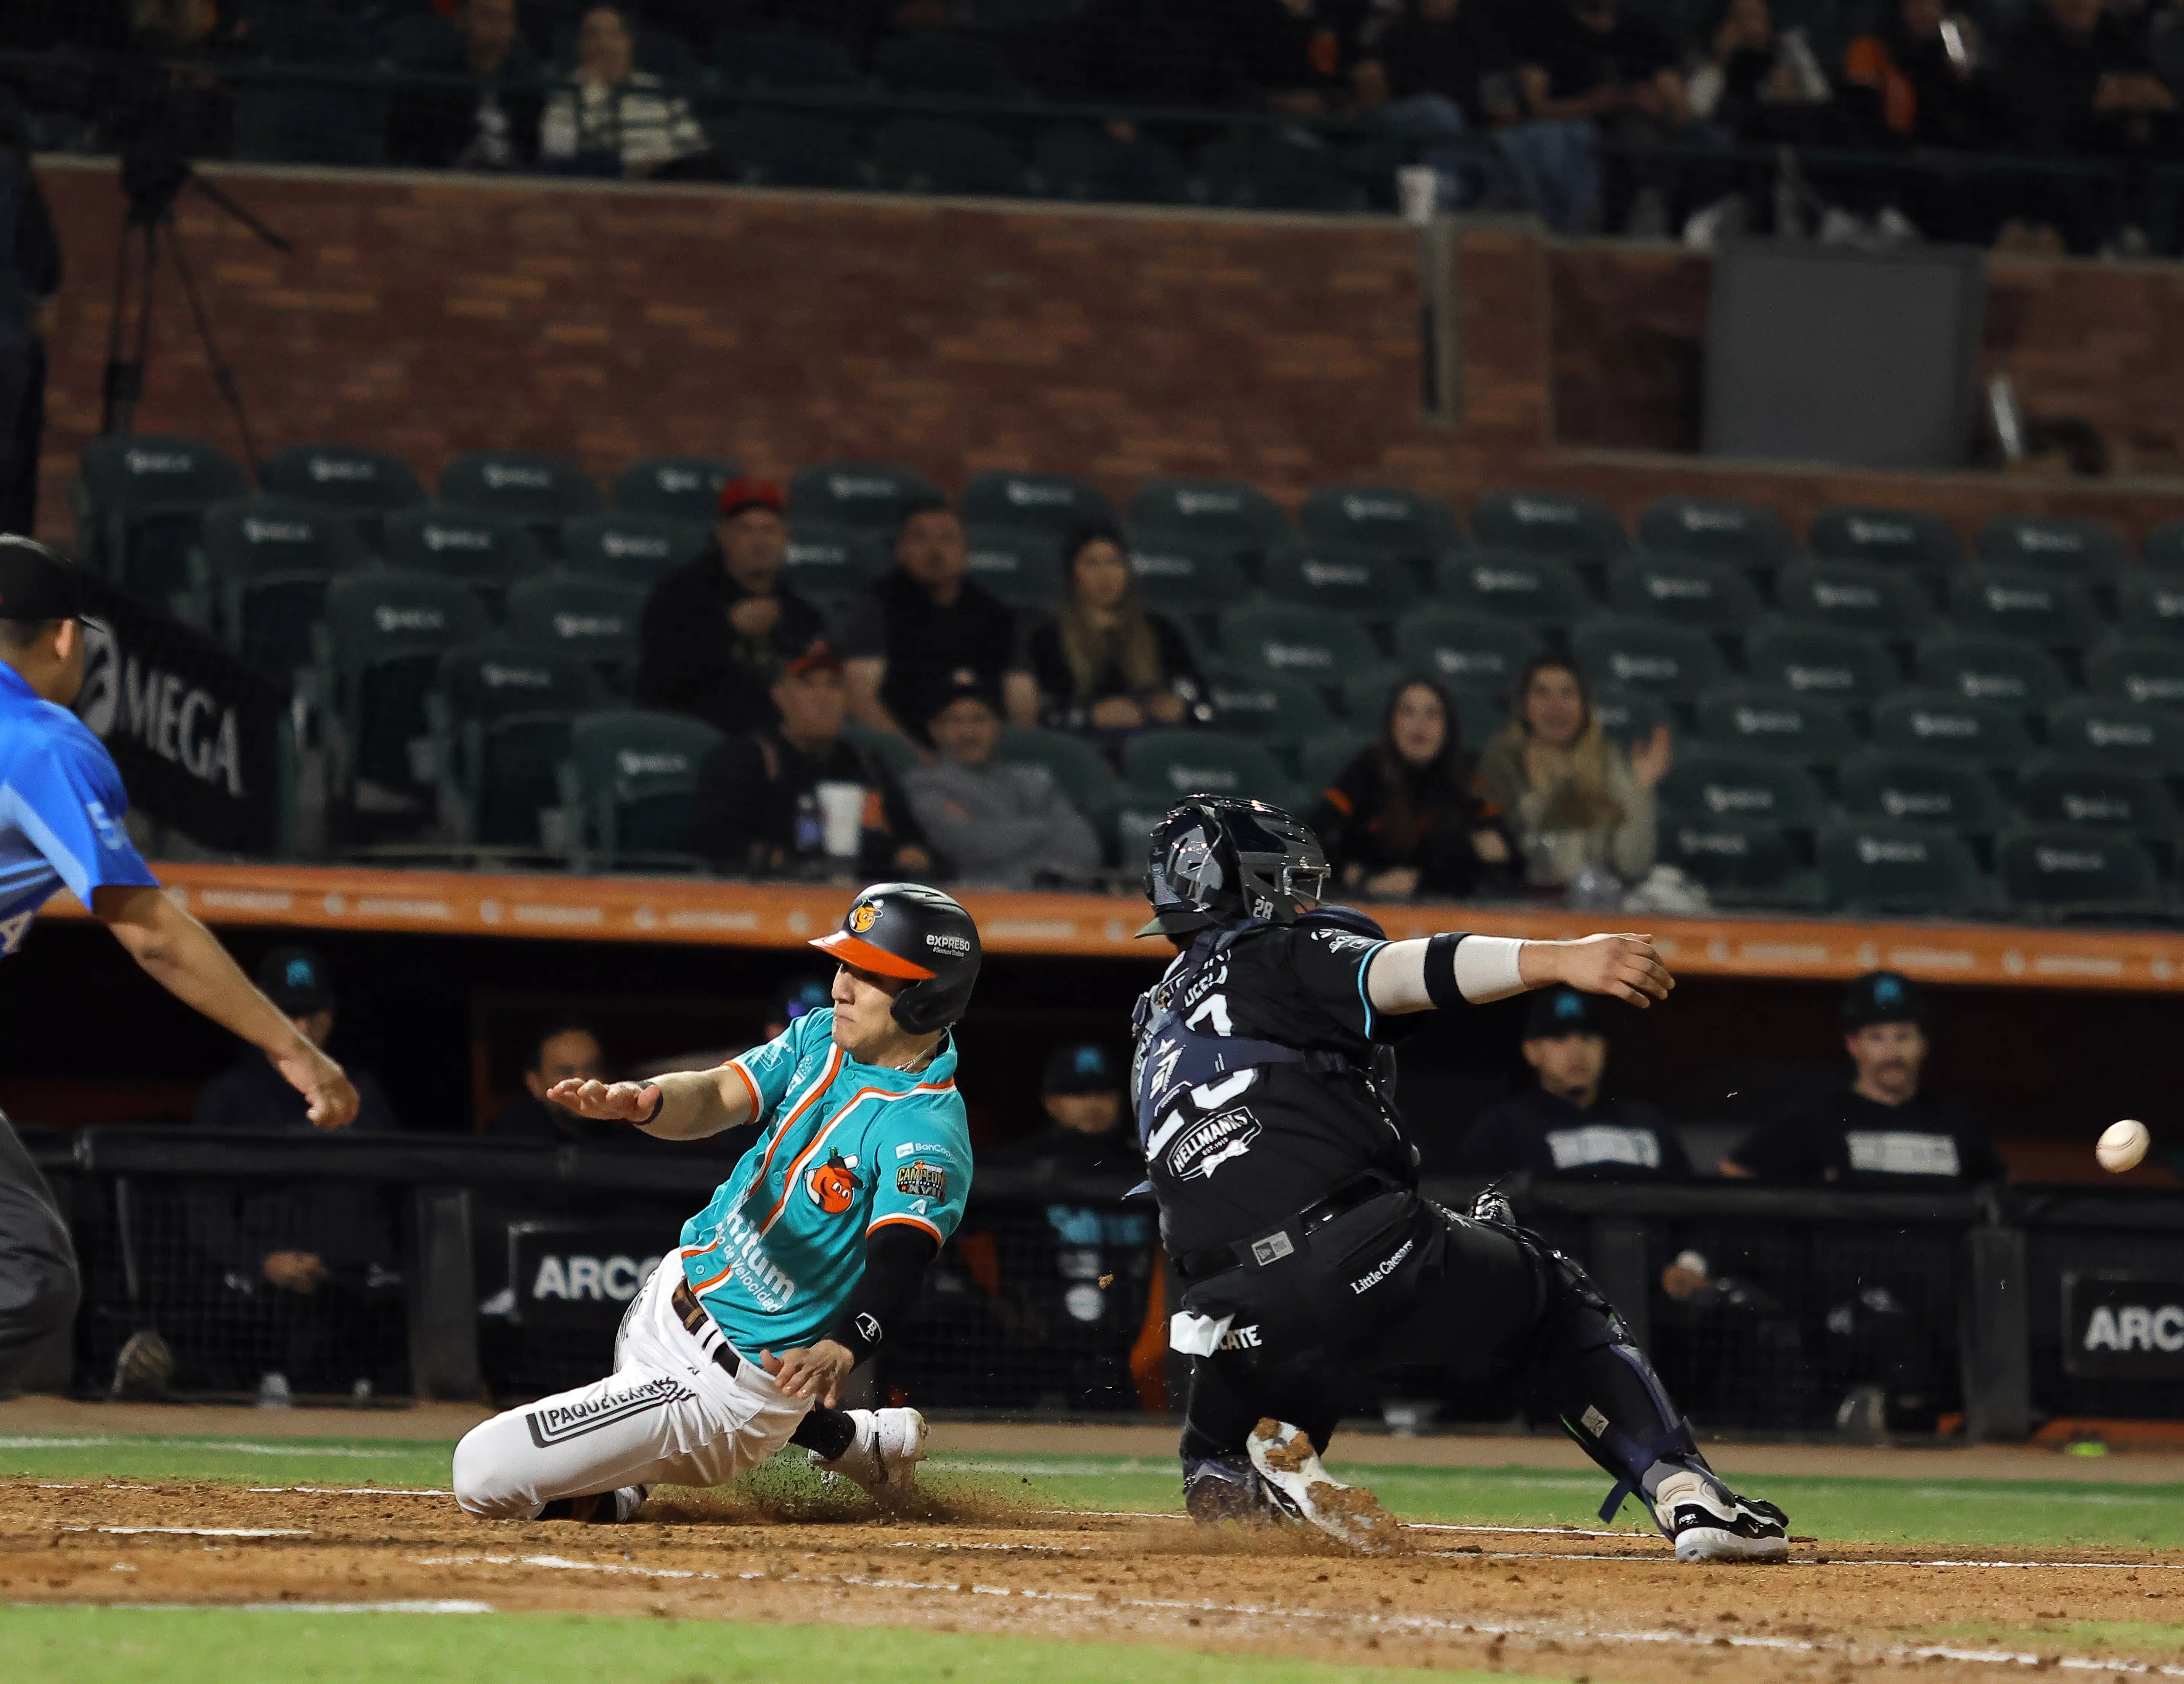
[
  {"x": 1823, "y": 680},
  {"x": 1917, "y": 803},
  {"x": 1356, "y": 508},
  {"x": 1162, "y": 566},
  {"x": 2033, "y": 539},
  {"x": 1531, "y": 514},
  {"x": 1880, "y": 532},
  {"x": 2069, "y": 859},
  {"x": 2097, "y": 809},
  {"x": 679, "y": 480},
  {"x": 390, "y": 619},
  {"x": 500, "y": 475},
  {"x": 619, "y": 544},
  {"x": 1457, "y": 661},
  {"x": 637, "y": 763},
  {"x": 1317, "y": 573},
  {"x": 1729, "y": 844},
  {"x": 954, "y": 946},
  {"x": 574, "y": 626},
  {"x": 1959, "y": 727},
  {"x": 499, "y": 678},
  {"x": 2145, "y": 689},
  {"x": 1209, "y": 503},
  {"x": 1875, "y": 850},
  {"x": 1769, "y": 721},
  {"x": 1671, "y": 587},
  {"x": 2119, "y": 733},
  {"x": 1846, "y": 596},
  {"x": 815, "y": 555},
  {"x": 1713, "y": 520},
  {"x": 1186, "y": 778},
  {"x": 159, "y": 462},
  {"x": 355, "y": 469},
  {"x": 1993, "y": 686},
  {"x": 1280, "y": 655},
  {"x": 1488, "y": 580},
  {"x": 2017, "y": 600},
  {"x": 1030, "y": 494},
  {"x": 849, "y": 487},
  {"x": 457, "y": 538},
  {"x": 1722, "y": 798},
  {"x": 1661, "y": 667},
  {"x": 276, "y": 531}
]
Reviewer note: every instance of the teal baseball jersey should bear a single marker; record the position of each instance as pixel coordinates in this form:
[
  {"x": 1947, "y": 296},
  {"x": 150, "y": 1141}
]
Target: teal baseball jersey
[{"x": 848, "y": 1147}]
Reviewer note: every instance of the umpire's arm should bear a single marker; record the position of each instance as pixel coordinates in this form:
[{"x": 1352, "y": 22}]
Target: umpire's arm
[
  {"x": 1455, "y": 970},
  {"x": 185, "y": 959}
]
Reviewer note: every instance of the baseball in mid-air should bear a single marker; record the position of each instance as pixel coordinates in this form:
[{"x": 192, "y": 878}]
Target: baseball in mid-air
[{"x": 2122, "y": 1144}]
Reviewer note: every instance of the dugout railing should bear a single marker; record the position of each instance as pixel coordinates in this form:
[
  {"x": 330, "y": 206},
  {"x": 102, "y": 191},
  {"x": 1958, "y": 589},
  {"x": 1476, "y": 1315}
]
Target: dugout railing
[{"x": 462, "y": 1268}]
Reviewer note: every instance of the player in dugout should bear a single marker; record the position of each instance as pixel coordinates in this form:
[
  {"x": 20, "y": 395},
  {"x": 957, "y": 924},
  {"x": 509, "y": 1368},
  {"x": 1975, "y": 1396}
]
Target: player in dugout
[
  {"x": 1262, "y": 1075},
  {"x": 739, "y": 1342},
  {"x": 61, "y": 807}
]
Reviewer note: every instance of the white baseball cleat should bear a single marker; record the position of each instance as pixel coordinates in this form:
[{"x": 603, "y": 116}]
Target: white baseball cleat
[
  {"x": 1707, "y": 1521},
  {"x": 1305, "y": 1490},
  {"x": 884, "y": 1457}
]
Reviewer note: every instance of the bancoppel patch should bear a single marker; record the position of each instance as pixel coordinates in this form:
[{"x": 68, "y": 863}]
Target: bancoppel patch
[{"x": 922, "y": 1181}]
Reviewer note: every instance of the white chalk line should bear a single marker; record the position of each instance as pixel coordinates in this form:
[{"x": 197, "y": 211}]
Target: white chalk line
[
  {"x": 239, "y": 1446},
  {"x": 196, "y": 1531},
  {"x": 432, "y": 1605}
]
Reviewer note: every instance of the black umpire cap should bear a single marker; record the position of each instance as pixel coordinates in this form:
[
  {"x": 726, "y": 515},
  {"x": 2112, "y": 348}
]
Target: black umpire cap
[
  {"x": 295, "y": 979},
  {"x": 1883, "y": 997},
  {"x": 37, "y": 583},
  {"x": 1554, "y": 1012}
]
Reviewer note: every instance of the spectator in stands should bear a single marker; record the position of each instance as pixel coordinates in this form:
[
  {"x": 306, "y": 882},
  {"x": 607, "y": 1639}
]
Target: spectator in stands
[
  {"x": 718, "y": 630},
  {"x": 1576, "y": 802},
  {"x": 1565, "y": 1126},
  {"x": 1589, "y": 65},
  {"x": 926, "y": 623},
  {"x": 1402, "y": 818},
  {"x": 617, "y": 116},
  {"x": 762, "y": 797},
  {"x": 1102, "y": 662},
  {"x": 490, "y": 121},
  {"x": 562, "y": 1051},
  {"x": 1753, "y": 87},
  {"x": 1002, "y": 825},
  {"x": 1437, "y": 72},
  {"x": 1922, "y": 73},
  {"x": 1296, "y": 55},
  {"x": 309, "y": 1271},
  {"x": 29, "y": 277}
]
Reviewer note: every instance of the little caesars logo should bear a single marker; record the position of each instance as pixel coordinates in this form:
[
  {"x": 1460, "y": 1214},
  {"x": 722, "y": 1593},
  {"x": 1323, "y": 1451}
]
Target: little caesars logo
[{"x": 168, "y": 715}]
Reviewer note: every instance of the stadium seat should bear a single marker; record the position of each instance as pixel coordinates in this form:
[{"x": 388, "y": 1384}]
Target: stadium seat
[
  {"x": 349, "y": 476},
  {"x": 765, "y": 148},
  {"x": 2120, "y": 732},
  {"x": 1023, "y": 569},
  {"x": 1985, "y": 666},
  {"x": 487, "y": 552},
  {"x": 834, "y": 563},
  {"x": 1882, "y": 865},
  {"x": 2064, "y": 871},
  {"x": 2164, "y": 550},
  {"x": 1741, "y": 862},
  {"x": 891, "y": 749},
  {"x": 935, "y": 155},
  {"x": 1510, "y": 584},
  {"x": 782, "y": 59},
  {"x": 685, "y": 488},
  {"x": 1688, "y": 591},
  {"x": 1374, "y": 587},
  {"x": 1907, "y": 538},
  {"x": 1079, "y": 770},
  {"x": 2152, "y": 605},
  {"x": 630, "y": 548},
  {"x": 2043, "y": 607},
  {"x": 2090, "y": 551},
  {"x": 1225, "y": 514},
  {"x": 386, "y": 629},
  {"x": 1269, "y": 172},
  {"x": 632, "y": 775},
  {"x": 2141, "y": 670},
  {"x": 1813, "y": 729},
  {"x": 1054, "y": 503},
  {"x": 138, "y": 502},
  {"x": 935, "y": 61},
  {"x": 1708, "y": 780},
  {"x": 1986, "y": 733},
  {"x": 1746, "y": 534},
  {"x": 1465, "y": 652},
  {"x": 1549, "y": 523},
  {"x": 1278, "y": 710},
  {"x": 2066, "y": 789},
  {"x": 1403, "y": 524},
  {"x": 1325, "y": 757},
  {"x": 265, "y": 563},
  {"x": 500, "y": 714},
  {"x": 1295, "y": 643},
  {"x": 540, "y": 491},
  {"x": 867, "y": 496},
  {"x": 1167, "y": 766},
  {"x": 1078, "y": 161},
  {"x": 1854, "y": 596},
  {"x": 1185, "y": 576},
  {"x": 596, "y": 620},
  {"x": 1821, "y": 660},
  {"x": 1919, "y": 789},
  {"x": 311, "y": 121},
  {"x": 1675, "y": 662},
  {"x": 1625, "y": 717}
]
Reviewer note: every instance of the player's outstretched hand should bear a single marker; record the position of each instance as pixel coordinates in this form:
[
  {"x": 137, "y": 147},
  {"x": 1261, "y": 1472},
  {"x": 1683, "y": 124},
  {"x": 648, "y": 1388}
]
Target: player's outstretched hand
[
  {"x": 330, "y": 1098},
  {"x": 607, "y": 1101},
  {"x": 816, "y": 1371},
  {"x": 1624, "y": 967}
]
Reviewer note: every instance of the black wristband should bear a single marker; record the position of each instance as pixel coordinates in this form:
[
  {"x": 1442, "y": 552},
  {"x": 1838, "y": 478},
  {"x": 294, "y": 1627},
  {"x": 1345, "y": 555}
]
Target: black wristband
[
  {"x": 658, "y": 1105},
  {"x": 860, "y": 1334},
  {"x": 1440, "y": 970}
]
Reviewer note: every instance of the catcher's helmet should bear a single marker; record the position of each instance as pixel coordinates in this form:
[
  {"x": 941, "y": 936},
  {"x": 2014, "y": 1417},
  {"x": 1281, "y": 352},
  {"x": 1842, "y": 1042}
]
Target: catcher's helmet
[
  {"x": 906, "y": 930},
  {"x": 1216, "y": 861}
]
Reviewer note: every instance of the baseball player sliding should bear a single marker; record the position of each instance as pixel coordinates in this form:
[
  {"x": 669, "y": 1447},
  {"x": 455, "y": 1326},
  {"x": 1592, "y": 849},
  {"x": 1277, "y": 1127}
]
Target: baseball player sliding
[{"x": 739, "y": 1342}]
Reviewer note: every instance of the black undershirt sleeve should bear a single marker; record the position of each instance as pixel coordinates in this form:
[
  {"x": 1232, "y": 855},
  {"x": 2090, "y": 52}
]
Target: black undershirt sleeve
[{"x": 895, "y": 1260}]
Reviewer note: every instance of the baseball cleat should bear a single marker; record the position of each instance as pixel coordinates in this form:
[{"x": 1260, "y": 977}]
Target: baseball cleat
[
  {"x": 1216, "y": 1489},
  {"x": 1305, "y": 1490},
  {"x": 1707, "y": 1521},
  {"x": 884, "y": 1457},
  {"x": 599, "y": 1508}
]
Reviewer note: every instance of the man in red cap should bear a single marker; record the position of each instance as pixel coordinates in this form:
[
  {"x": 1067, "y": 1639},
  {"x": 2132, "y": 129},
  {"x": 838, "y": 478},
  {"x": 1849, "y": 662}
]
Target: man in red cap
[{"x": 718, "y": 632}]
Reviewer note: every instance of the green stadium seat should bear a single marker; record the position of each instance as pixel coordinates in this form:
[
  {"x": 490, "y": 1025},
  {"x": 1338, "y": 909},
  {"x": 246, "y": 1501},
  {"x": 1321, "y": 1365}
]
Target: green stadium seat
[
  {"x": 499, "y": 714},
  {"x": 1919, "y": 789},
  {"x": 138, "y": 502},
  {"x": 2165, "y": 547},
  {"x": 487, "y": 552},
  {"x": 1076, "y": 161},
  {"x": 1629, "y": 716},
  {"x": 1079, "y": 770},
  {"x": 2090, "y": 551},
  {"x": 1675, "y": 662},
  {"x": 352, "y": 477},
  {"x": 1213, "y": 514},
  {"x": 2043, "y": 607},
  {"x": 633, "y": 777},
  {"x": 868, "y": 496},
  {"x": 2077, "y": 789},
  {"x": 1741, "y": 862},
  {"x": 1821, "y": 660},
  {"x": 2063, "y": 870},
  {"x": 1685, "y": 590},
  {"x": 1168, "y": 765},
  {"x": 1707, "y": 781},
  {"x": 1187, "y": 575},
  {"x": 1560, "y": 523},
  {"x": 386, "y": 629},
  {"x": 1405, "y": 525},
  {"x": 938, "y": 155},
  {"x": 1986, "y": 733},
  {"x": 2151, "y": 604},
  {"x": 631, "y": 549},
  {"x": 1854, "y": 596},
  {"x": 1023, "y": 568},
  {"x": 768, "y": 148},
  {"x": 1295, "y": 643},
  {"x": 1813, "y": 729},
  {"x": 1509, "y": 584},
  {"x": 1054, "y": 503},
  {"x": 2120, "y": 732},
  {"x": 833, "y": 561},
  {"x": 674, "y": 487},
  {"x": 1988, "y": 667},
  {"x": 783, "y": 58},
  {"x": 259, "y": 573},
  {"x": 891, "y": 749},
  {"x": 1281, "y": 711},
  {"x": 1464, "y": 652},
  {"x": 1325, "y": 757},
  {"x": 1884, "y": 866},
  {"x": 595, "y": 620},
  {"x": 538, "y": 490},
  {"x": 1747, "y": 534},
  {"x": 2137, "y": 669},
  {"x": 1340, "y": 581},
  {"x": 1907, "y": 539}
]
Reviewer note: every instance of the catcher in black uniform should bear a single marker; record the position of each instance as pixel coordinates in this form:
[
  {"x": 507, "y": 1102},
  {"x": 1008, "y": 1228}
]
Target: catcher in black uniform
[{"x": 1263, "y": 1076}]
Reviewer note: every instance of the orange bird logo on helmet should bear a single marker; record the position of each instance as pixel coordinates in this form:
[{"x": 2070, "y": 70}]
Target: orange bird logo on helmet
[
  {"x": 864, "y": 916},
  {"x": 833, "y": 1185}
]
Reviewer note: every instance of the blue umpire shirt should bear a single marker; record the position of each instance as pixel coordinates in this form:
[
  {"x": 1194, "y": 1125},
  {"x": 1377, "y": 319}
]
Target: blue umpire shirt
[{"x": 61, "y": 803}]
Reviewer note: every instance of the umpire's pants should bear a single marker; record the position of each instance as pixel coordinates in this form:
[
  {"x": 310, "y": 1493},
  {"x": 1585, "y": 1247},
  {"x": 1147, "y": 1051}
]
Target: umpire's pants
[{"x": 38, "y": 1283}]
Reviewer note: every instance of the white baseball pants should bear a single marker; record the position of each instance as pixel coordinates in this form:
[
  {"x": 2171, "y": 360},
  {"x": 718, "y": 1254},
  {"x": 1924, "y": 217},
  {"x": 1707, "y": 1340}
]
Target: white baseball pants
[{"x": 669, "y": 1414}]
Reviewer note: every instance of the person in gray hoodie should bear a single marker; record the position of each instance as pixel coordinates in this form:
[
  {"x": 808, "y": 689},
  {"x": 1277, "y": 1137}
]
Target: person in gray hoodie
[{"x": 1003, "y": 825}]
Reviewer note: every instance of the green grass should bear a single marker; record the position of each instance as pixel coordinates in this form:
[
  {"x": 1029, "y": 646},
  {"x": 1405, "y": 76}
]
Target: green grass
[
  {"x": 200, "y": 1646},
  {"x": 2108, "y": 1639},
  {"x": 1945, "y": 1515}
]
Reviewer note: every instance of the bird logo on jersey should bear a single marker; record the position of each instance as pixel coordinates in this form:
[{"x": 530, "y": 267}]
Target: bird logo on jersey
[
  {"x": 833, "y": 1185},
  {"x": 865, "y": 915}
]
